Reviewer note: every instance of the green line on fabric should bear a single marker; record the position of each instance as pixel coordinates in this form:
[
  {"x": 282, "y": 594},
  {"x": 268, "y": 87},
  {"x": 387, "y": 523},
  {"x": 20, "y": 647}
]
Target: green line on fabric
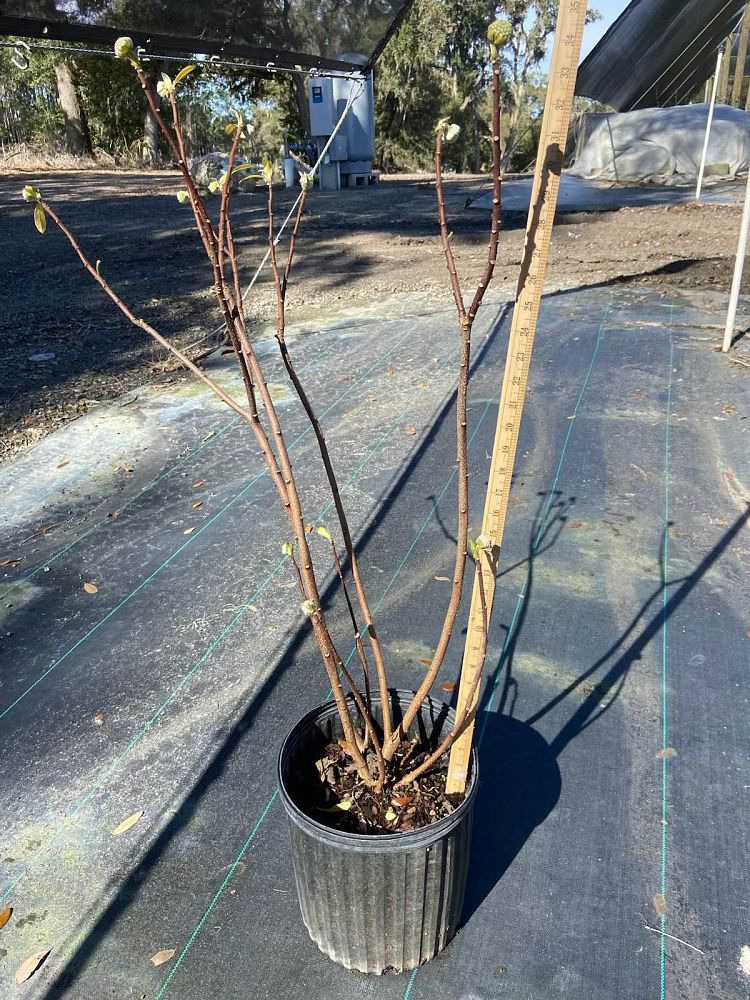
[
  {"x": 548, "y": 506},
  {"x": 664, "y": 727}
]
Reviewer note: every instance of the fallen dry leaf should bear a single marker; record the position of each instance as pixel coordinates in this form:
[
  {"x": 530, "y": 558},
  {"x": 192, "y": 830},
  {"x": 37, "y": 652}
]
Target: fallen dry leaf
[
  {"x": 114, "y": 513},
  {"x": 197, "y": 484},
  {"x": 91, "y": 588},
  {"x": 44, "y": 528},
  {"x": 9, "y": 563},
  {"x": 666, "y": 753},
  {"x": 197, "y": 504},
  {"x": 27, "y": 969},
  {"x": 411, "y": 430},
  {"x": 188, "y": 531},
  {"x": 423, "y": 385},
  {"x": 61, "y": 465},
  {"x": 163, "y": 956},
  {"x": 5, "y": 915},
  {"x": 309, "y": 528},
  {"x": 576, "y": 524},
  {"x": 443, "y": 579},
  {"x": 729, "y": 474},
  {"x": 127, "y": 469},
  {"x": 391, "y": 371},
  {"x": 99, "y": 719},
  {"x": 401, "y": 800},
  {"x": 447, "y": 686},
  {"x": 127, "y": 823},
  {"x": 660, "y": 904},
  {"x": 427, "y": 663}
]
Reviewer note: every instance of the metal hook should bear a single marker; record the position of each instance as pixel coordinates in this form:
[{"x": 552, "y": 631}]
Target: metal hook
[
  {"x": 142, "y": 55},
  {"x": 21, "y": 55}
]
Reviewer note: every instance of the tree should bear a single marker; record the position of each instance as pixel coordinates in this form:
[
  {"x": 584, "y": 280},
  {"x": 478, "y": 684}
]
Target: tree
[
  {"x": 77, "y": 132},
  {"x": 533, "y": 23}
]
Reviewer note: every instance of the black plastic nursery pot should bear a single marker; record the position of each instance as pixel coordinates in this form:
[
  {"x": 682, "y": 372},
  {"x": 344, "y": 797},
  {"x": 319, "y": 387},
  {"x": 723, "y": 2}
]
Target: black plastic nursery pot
[{"x": 375, "y": 903}]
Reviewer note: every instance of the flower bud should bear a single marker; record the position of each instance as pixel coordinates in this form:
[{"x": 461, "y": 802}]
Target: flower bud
[
  {"x": 30, "y": 193},
  {"x": 182, "y": 197},
  {"x": 124, "y": 49},
  {"x": 499, "y": 33}
]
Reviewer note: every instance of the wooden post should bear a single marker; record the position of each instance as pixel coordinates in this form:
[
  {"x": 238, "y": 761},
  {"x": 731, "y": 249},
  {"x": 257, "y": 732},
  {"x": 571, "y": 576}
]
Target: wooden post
[
  {"x": 555, "y": 124},
  {"x": 721, "y": 95},
  {"x": 739, "y": 67}
]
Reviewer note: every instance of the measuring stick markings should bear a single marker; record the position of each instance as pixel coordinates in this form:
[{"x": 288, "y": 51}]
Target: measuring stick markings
[{"x": 557, "y": 112}]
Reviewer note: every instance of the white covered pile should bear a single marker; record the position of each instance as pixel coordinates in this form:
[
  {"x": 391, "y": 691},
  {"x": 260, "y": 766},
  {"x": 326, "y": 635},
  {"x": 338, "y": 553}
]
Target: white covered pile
[{"x": 664, "y": 145}]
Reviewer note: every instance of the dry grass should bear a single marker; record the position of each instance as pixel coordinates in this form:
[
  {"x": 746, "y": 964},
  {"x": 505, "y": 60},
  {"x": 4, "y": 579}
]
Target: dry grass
[{"x": 27, "y": 157}]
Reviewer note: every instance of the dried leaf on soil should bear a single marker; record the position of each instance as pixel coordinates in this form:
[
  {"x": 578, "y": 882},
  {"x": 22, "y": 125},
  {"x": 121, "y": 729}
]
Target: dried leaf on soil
[
  {"x": 197, "y": 485},
  {"x": 99, "y": 719},
  {"x": 443, "y": 579},
  {"x": 27, "y": 969},
  {"x": 44, "y": 528},
  {"x": 188, "y": 531},
  {"x": 427, "y": 663},
  {"x": 5, "y": 915},
  {"x": 61, "y": 465},
  {"x": 91, "y": 588},
  {"x": 576, "y": 524},
  {"x": 411, "y": 430},
  {"x": 163, "y": 956},
  {"x": 9, "y": 563},
  {"x": 127, "y": 823},
  {"x": 401, "y": 800},
  {"x": 660, "y": 904},
  {"x": 448, "y": 686},
  {"x": 197, "y": 504},
  {"x": 666, "y": 753}
]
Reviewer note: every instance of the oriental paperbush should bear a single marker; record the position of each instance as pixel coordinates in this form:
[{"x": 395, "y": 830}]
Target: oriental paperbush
[{"x": 376, "y": 749}]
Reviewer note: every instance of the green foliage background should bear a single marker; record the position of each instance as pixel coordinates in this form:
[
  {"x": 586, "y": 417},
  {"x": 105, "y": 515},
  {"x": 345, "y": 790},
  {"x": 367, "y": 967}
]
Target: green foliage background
[{"x": 435, "y": 67}]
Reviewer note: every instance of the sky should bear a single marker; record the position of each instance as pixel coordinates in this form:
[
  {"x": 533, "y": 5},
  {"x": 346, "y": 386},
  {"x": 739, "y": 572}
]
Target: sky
[{"x": 610, "y": 11}]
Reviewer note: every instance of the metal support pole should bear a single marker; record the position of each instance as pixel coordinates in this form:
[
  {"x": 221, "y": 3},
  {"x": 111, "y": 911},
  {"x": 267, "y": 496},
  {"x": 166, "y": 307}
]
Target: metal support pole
[
  {"x": 708, "y": 127},
  {"x": 739, "y": 268}
]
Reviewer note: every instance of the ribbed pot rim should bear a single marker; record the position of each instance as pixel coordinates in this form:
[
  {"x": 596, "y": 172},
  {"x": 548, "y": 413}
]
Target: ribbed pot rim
[{"x": 383, "y": 843}]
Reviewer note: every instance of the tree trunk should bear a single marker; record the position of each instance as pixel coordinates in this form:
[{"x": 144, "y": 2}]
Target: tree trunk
[
  {"x": 477, "y": 140},
  {"x": 721, "y": 94},
  {"x": 150, "y": 140},
  {"x": 303, "y": 109},
  {"x": 77, "y": 132},
  {"x": 739, "y": 69}
]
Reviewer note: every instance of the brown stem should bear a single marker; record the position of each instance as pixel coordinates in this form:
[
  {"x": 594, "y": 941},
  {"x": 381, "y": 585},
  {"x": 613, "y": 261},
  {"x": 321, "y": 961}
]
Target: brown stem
[
  {"x": 470, "y": 711},
  {"x": 466, "y": 320},
  {"x": 331, "y": 658},
  {"x": 359, "y": 646},
  {"x": 281, "y": 287},
  {"x": 497, "y": 183}
]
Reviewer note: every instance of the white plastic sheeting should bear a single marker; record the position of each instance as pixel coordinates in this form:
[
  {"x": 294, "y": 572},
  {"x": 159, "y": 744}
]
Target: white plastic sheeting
[{"x": 664, "y": 145}]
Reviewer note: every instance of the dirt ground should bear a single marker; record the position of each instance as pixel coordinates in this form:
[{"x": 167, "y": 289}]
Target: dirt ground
[{"x": 66, "y": 348}]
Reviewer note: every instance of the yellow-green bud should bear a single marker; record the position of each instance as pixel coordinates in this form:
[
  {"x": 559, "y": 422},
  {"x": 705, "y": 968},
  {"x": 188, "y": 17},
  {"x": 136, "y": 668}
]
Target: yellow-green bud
[
  {"x": 310, "y": 607},
  {"x": 165, "y": 86},
  {"x": 325, "y": 533},
  {"x": 452, "y": 132},
  {"x": 268, "y": 172},
  {"x": 30, "y": 193},
  {"x": 287, "y": 548},
  {"x": 125, "y": 49},
  {"x": 182, "y": 197},
  {"x": 306, "y": 181},
  {"x": 499, "y": 33}
]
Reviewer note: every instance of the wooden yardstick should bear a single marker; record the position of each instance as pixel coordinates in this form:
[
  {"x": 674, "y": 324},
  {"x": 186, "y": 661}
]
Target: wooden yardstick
[{"x": 555, "y": 122}]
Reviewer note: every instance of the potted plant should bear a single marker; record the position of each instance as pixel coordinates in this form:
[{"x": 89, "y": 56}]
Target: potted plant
[{"x": 380, "y": 850}]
